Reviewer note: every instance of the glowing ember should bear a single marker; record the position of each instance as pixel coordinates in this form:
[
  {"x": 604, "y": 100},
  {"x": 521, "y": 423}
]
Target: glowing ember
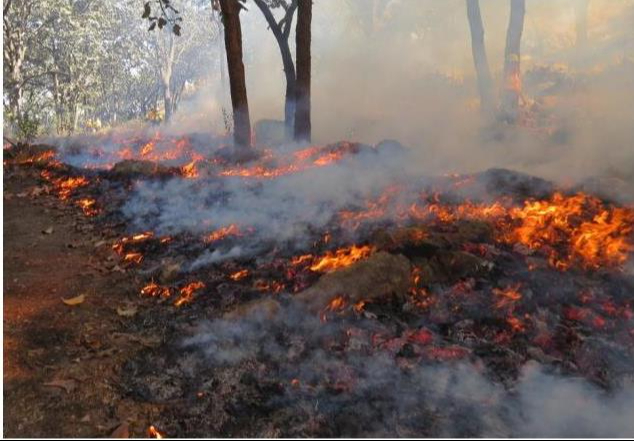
[
  {"x": 190, "y": 170},
  {"x": 507, "y": 296},
  {"x": 239, "y": 275},
  {"x": 341, "y": 258},
  {"x": 119, "y": 246},
  {"x": 222, "y": 233},
  {"x": 265, "y": 286},
  {"x": 88, "y": 206},
  {"x": 153, "y": 432},
  {"x": 154, "y": 290},
  {"x": 336, "y": 304},
  {"x": 133, "y": 257},
  {"x": 187, "y": 293}
]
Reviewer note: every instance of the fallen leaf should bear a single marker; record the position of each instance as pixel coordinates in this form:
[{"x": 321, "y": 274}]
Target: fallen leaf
[
  {"x": 75, "y": 300},
  {"x": 122, "y": 431},
  {"x": 49, "y": 230},
  {"x": 67, "y": 385},
  {"x": 126, "y": 311}
]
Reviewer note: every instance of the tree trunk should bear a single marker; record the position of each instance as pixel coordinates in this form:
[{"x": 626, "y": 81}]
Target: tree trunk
[
  {"x": 302, "y": 101},
  {"x": 512, "y": 79},
  {"x": 485, "y": 83},
  {"x": 237, "y": 81},
  {"x": 281, "y": 35},
  {"x": 167, "y": 102}
]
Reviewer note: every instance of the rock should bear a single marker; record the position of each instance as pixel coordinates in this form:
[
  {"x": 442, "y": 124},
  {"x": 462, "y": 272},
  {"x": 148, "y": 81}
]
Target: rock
[
  {"x": 502, "y": 182},
  {"x": 381, "y": 275},
  {"x": 266, "y": 307},
  {"x": 169, "y": 272},
  {"x": 133, "y": 167},
  {"x": 451, "y": 266}
]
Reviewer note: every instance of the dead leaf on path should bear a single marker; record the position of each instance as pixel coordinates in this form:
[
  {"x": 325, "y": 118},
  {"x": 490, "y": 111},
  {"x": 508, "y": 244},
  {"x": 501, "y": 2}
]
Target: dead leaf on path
[
  {"x": 122, "y": 431},
  {"x": 49, "y": 230},
  {"x": 67, "y": 385},
  {"x": 127, "y": 311},
  {"x": 75, "y": 300}
]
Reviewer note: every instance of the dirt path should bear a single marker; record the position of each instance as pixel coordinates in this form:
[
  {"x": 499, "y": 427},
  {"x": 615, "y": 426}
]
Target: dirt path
[{"x": 61, "y": 362}]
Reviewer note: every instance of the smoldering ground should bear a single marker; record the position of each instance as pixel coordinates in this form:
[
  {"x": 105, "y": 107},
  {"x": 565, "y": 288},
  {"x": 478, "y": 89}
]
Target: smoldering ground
[{"x": 362, "y": 391}]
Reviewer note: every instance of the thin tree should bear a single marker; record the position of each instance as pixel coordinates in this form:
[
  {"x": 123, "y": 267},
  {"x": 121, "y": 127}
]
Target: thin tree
[
  {"x": 485, "y": 82},
  {"x": 512, "y": 75},
  {"x": 237, "y": 82},
  {"x": 281, "y": 30},
  {"x": 303, "y": 60}
]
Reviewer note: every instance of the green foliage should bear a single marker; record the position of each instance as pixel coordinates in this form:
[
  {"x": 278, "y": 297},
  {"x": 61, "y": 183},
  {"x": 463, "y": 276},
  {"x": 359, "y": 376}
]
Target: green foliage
[
  {"x": 25, "y": 127},
  {"x": 68, "y": 62}
]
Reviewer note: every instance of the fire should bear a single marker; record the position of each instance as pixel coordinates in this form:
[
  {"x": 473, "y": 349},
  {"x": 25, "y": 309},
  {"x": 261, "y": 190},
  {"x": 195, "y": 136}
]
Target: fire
[
  {"x": 154, "y": 290},
  {"x": 119, "y": 246},
  {"x": 239, "y": 275},
  {"x": 187, "y": 292},
  {"x": 190, "y": 170},
  {"x": 65, "y": 186},
  {"x": 574, "y": 229},
  {"x": 507, "y": 296},
  {"x": 222, "y": 233},
  {"x": 88, "y": 206},
  {"x": 264, "y": 286},
  {"x": 133, "y": 257},
  {"x": 336, "y": 304},
  {"x": 341, "y": 258},
  {"x": 153, "y": 432}
]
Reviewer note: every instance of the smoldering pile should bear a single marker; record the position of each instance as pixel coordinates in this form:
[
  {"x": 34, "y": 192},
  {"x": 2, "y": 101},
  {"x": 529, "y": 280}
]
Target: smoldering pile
[{"x": 343, "y": 294}]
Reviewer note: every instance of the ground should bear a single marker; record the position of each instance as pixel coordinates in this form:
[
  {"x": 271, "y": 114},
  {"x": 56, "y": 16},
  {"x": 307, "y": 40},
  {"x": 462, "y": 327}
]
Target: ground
[{"x": 61, "y": 362}]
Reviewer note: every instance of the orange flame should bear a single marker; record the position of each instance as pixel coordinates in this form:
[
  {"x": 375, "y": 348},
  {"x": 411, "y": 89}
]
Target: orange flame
[
  {"x": 341, "y": 258},
  {"x": 88, "y": 206},
  {"x": 231, "y": 230},
  {"x": 153, "y": 432},
  {"x": 187, "y": 292},
  {"x": 154, "y": 290},
  {"x": 239, "y": 275}
]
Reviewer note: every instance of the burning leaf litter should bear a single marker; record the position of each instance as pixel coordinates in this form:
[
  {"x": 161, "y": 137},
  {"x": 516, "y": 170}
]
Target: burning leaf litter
[{"x": 378, "y": 285}]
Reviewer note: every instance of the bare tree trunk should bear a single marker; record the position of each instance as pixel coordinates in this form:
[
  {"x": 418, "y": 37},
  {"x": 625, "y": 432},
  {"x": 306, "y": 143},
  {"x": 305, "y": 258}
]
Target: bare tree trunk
[
  {"x": 512, "y": 78},
  {"x": 485, "y": 83},
  {"x": 303, "y": 39},
  {"x": 281, "y": 31},
  {"x": 237, "y": 81},
  {"x": 167, "y": 102}
]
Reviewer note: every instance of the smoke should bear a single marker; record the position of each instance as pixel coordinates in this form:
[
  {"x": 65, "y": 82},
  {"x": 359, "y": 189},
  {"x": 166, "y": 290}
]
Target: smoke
[
  {"x": 385, "y": 395},
  {"x": 403, "y": 70},
  {"x": 284, "y": 210}
]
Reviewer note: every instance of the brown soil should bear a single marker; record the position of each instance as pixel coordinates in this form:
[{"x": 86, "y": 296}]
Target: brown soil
[{"x": 61, "y": 362}]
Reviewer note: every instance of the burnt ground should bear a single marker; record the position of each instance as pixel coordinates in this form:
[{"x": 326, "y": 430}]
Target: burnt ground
[
  {"x": 61, "y": 362},
  {"x": 121, "y": 362}
]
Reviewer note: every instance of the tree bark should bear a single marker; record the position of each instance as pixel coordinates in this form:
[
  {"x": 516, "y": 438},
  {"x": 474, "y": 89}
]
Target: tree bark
[
  {"x": 512, "y": 78},
  {"x": 485, "y": 83},
  {"x": 281, "y": 31},
  {"x": 237, "y": 81},
  {"x": 302, "y": 101}
]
